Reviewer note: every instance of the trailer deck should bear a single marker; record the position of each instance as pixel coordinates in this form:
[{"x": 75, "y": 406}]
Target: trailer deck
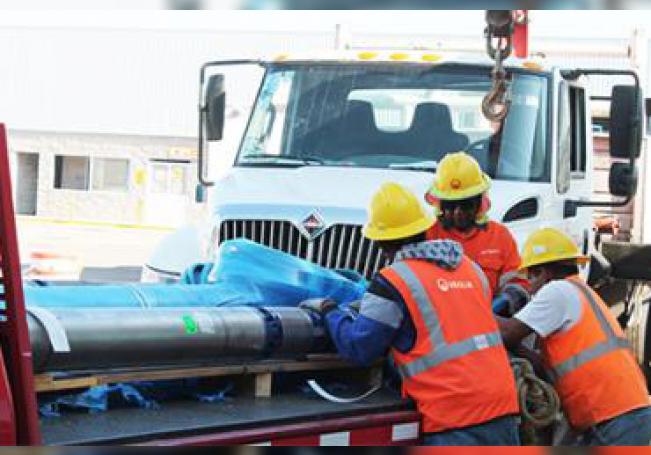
[{"x": 201, "y": 421}]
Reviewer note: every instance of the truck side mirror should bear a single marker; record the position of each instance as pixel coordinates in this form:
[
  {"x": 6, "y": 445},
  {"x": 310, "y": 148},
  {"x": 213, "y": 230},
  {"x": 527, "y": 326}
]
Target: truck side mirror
[
  {"x": 622, "y": 180},
  {"x": 626, "y": 121},
  {"x": 215, "y": 107}
]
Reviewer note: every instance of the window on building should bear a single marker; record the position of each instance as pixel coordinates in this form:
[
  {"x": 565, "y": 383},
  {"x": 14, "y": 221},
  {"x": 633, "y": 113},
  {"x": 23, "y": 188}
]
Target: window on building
[
  {"x": 71, "y": 172},
  {"x": 85, "y": 173},
  {"x": 110, "y": 174}
]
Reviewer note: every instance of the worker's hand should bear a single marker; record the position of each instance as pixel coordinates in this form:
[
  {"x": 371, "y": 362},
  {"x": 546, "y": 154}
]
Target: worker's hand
[
  {"x": 320, "y": 306},
  {"x": 355, "y": 306}
]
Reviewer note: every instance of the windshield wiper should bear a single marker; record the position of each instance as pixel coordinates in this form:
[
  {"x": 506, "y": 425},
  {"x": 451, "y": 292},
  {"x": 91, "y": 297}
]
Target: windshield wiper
[
  {"x": 284, "y": 159},
  {"x": 429, "y": 166}
]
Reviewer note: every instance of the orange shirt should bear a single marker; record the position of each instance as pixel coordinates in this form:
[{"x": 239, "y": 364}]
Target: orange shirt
[{"x": 493, "y": 248}]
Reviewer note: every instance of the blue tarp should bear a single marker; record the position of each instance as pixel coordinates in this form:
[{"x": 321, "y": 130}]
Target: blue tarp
[
  {"x": 244, "y": 273},
  {"x": 280, "y": 278},
  {"x": 146, "y": 395}
]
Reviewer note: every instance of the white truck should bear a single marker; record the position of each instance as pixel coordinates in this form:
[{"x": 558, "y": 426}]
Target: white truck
[{"x": 327, "y": 130}]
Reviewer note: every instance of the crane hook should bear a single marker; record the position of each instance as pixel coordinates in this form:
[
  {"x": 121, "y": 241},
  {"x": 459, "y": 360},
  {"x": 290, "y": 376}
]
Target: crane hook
[{"x": 496, "y": 103}]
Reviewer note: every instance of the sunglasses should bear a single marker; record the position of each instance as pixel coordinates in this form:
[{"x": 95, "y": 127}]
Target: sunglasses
[{"x": 463, "y": 204}]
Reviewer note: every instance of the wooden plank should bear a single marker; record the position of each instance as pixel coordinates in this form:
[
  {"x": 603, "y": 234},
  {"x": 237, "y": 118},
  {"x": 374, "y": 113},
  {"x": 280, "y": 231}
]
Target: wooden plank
[
  {"x": 48, "y": 382},
  {"x": 263, "y": 383}
]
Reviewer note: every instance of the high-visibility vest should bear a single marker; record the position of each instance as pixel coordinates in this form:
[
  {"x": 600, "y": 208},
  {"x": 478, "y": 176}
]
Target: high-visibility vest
[
  {"x": 594, "y": 370},
  {"x": 458, "y": 370},
  {"x": 493, "y": 248}
]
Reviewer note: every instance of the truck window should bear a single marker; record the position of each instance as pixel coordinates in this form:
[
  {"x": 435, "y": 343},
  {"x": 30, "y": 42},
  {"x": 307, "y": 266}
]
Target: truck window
[
  {"x": 578, "y": 126},
  {"x": 563, "y": 162},
  {"x": 395, "y": 116}
]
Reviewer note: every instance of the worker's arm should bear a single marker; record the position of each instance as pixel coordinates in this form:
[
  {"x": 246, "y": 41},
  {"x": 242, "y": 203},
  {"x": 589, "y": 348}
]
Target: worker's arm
[
  {"x": 383, "y": 321},
  {"x": 513, "y": 332},
  {"x": 513, "y": 290},
  {"x": 553, "y": 308}
]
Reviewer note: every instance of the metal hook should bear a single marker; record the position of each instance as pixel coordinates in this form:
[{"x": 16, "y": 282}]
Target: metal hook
[{"x": 495, "y": 105}]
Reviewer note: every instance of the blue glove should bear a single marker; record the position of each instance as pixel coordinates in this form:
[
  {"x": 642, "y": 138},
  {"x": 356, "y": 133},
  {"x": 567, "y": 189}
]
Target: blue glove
[{"x": 500, "y": 303}]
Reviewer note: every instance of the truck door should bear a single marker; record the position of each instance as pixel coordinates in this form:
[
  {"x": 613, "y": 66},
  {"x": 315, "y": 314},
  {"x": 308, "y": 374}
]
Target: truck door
[
  {"x": 168, "y": 199},
  {"x": 573, "y": 162}
]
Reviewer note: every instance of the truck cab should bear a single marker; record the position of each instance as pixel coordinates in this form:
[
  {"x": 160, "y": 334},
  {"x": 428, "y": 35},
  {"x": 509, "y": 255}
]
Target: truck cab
[{"x": 327, "y": 130}]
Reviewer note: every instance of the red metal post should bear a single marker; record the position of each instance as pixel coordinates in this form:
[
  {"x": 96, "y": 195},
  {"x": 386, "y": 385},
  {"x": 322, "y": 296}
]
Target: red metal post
[
  {"x": 14, "y": 335},
  {"x": 521, "y": 33}
]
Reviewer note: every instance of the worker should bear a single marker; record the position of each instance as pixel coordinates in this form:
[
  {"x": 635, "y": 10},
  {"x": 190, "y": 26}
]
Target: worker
[
  {"x": 598, "y": 380},
  {"x": 459, "y": 195},
  {"x": 431, "y": 310}
]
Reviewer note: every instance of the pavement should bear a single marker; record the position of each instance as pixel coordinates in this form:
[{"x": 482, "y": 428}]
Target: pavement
[{"x": 97, "y": 252}]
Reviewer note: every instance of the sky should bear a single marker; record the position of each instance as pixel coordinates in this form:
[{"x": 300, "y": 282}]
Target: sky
[{"x": 572, "y": 23}]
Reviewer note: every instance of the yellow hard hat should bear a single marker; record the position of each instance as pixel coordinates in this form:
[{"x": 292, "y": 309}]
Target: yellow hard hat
[
  {"x": 395, "y": 213},
  {"x": 458, "y": 176},
  {"x": 549, "y": 245}
]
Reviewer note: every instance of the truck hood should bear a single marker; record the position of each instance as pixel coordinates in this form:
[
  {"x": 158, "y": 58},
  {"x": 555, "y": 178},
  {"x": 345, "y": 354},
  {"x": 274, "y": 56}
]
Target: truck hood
[{"x": 338, "y": 194}]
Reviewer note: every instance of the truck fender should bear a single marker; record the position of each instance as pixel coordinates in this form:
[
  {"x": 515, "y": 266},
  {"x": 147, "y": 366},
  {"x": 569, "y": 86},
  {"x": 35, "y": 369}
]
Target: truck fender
[{"x": 174, "y": 254}]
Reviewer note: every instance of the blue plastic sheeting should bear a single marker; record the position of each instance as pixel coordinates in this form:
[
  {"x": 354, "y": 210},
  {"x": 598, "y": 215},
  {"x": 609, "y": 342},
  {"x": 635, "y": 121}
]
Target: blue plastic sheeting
[
  {"x": 145, "y": 395},
  {"x": 96, "y": 399},
  {"x": 132, "y": 296},
  {"x": 245, "y": 273},
  {"x": 280, "y": 278}
]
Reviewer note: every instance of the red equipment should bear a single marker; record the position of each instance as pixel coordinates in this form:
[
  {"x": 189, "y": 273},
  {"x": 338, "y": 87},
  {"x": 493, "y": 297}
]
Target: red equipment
[{"x": 18, "y": 424}]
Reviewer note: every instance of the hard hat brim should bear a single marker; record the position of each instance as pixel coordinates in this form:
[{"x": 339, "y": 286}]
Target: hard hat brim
[
  {"x": 476, "y": 190},
  {"x": 580, "y": 260},
  {"x": 403, "y": 232}
]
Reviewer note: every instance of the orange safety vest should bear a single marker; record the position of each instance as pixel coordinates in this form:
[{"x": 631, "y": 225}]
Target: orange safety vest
[
  {"x": 457, "y": 371},
  {"x": 493, "y": 248},
  {"x": 595, "y": 372}
]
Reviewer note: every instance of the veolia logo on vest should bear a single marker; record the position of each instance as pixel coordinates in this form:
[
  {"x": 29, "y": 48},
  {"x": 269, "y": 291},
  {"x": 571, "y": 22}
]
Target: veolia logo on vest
[{"x": 445, "y": 285}]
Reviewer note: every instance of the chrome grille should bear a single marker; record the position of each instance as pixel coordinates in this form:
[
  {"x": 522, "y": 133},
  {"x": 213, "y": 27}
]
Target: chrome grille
[{"x": 341, "y": 246}]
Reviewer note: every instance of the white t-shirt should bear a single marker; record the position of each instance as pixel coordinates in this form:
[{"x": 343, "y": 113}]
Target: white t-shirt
[{"x": 556, "y": 306}]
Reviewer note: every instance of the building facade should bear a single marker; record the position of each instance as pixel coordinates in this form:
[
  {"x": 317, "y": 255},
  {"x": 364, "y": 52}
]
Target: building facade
[{"x": 106, "y": 178}]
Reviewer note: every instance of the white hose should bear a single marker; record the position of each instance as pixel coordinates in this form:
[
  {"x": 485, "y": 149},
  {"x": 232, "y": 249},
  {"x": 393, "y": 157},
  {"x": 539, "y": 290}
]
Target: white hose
[{"x": 335, "y": 399}]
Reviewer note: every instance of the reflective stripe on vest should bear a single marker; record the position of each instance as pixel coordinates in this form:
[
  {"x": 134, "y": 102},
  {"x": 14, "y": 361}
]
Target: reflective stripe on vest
[
  {"x": 612, "y": 343},
  {"x": 441, "y": 350},
  {"x": 484, "y": 280},
  {"x": 508, "y": 276}
]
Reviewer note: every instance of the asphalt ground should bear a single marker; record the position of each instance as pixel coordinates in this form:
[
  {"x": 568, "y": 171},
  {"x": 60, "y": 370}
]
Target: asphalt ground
[{"x": 93, "y": 252}]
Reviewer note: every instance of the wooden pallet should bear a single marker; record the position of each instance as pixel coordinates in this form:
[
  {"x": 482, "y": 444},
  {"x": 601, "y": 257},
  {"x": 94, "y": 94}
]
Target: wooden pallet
[{"x": 257, "y": 376}]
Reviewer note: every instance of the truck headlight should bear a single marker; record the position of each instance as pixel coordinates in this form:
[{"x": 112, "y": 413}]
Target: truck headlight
[{"x": 154, "y": 276}]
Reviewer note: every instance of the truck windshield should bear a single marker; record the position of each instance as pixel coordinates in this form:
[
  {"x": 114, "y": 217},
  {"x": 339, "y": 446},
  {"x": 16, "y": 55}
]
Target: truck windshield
[{"x": 395, "y": 117}]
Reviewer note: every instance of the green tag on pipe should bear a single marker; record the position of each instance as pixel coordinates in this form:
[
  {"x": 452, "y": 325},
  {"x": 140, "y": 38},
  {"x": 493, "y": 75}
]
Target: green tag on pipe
[{"x": 190, "y": 325}]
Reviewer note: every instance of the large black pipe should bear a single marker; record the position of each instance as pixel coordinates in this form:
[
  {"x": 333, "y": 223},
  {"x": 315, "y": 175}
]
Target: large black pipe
[{"x": 95, "y": 339}]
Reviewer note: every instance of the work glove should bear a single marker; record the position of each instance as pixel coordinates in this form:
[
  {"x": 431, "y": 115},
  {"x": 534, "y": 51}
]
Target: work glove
[
  {"x": 510, "y": 302},
  {"x": 500, "y": 305},
  {"x": 319, "y": 306}
]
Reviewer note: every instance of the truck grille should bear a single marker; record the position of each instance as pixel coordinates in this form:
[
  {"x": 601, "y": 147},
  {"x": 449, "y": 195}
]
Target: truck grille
[{"x": 341, "y": 246}]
